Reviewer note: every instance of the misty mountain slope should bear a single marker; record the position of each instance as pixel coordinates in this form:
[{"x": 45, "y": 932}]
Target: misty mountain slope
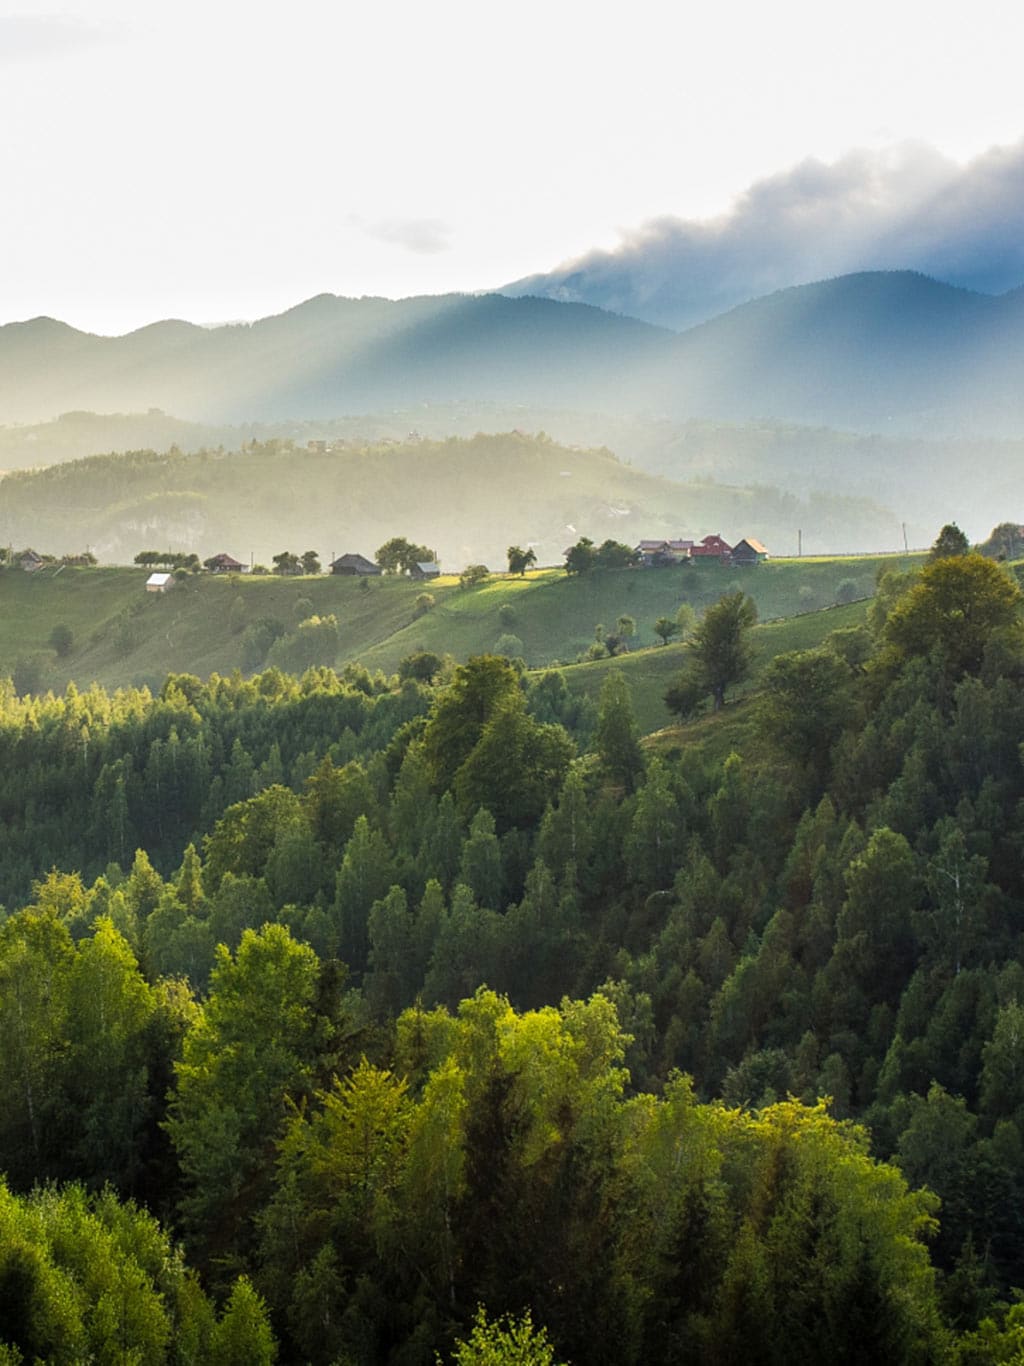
[
  {"x": 870, "y": 350},
  {"x": 882, "y": 351},
  {"x": 324, "y": 357}
]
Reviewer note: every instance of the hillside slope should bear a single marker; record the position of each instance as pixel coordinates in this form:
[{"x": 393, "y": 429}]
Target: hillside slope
[
  {"x": 122, "y": 635},
  {"x": 467, "y": 499}
]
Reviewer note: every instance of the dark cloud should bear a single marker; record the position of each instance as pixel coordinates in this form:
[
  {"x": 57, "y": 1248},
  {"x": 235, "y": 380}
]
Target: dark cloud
[
  {"x": 31, "y": 37},
  {"x": 904, "y": 208},
  {"x": 425, "y": 236}
]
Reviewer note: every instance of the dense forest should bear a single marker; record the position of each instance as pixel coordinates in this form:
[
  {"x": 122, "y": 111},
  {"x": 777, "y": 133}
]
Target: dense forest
[{"x": 349, "y": 1018}]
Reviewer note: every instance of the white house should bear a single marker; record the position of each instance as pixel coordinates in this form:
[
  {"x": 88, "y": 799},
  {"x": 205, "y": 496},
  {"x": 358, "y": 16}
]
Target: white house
[{"x": 159, "y": 583}]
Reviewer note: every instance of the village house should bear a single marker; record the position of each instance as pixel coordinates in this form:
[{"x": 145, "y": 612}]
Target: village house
[
  {"x": 354, "y": 564},
  {"x": 748, "y": 551},
  {"x": 30, "y": 561},
  {"x": 224, "y": 564},
  {"x": 159, "y": 583},
  {"x": 712, "y": 547},
  {"x": 661, "y": 554},
  {"x": 425, "y": 569}
]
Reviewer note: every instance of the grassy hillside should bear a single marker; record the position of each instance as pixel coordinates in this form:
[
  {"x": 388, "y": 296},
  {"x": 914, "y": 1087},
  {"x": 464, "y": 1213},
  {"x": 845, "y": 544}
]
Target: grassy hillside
[
  {"x": 122, "y": 635},
  {"x": 650, "y": 672},
  {"x": 469, "y": 499}
]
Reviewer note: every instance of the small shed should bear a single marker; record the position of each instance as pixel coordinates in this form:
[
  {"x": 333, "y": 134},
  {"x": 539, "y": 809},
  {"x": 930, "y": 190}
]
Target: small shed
[
  {"x": 159, "y": 583},
  {"x": 354, "y": 564},
  {"x": 30, "y": 561},
  {"x": 425, "y": 569},
  {"x": 748, "y": 551}
]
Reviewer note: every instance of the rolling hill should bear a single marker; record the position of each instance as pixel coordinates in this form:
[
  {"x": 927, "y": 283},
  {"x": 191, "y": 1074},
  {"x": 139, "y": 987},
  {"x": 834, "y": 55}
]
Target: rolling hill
[
  {"x": 122, "y": 635},
  {"x": 467, "y": 499}
]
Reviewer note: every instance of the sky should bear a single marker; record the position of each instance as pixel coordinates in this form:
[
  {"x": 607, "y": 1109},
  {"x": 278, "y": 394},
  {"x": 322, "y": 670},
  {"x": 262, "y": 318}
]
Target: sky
[{"x": 222, "y": 160}]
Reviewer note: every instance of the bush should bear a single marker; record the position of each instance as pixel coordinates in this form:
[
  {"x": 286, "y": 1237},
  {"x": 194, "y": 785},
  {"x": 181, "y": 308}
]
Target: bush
[
  {"x": 508, "y": 645},
  {"x": 473, "y": 574},
  {"x": 303, "y": 609},
  {"x": 62, "y": 638},
  {"x": 507, "y": 616},
  {"x": 313, "y": 645},
  {"x": 848, "y": 590},
  {"x": 424, "y": 602},
  {"x": 257, "y": 640},
  {"x": 423, "y": 666}
]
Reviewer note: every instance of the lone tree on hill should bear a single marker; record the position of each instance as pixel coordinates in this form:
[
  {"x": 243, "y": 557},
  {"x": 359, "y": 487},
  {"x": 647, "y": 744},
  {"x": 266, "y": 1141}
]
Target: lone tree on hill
[
  {"x": 519, "y": 560},
  {"x": 665, "y": 628},
  {"x": 949, "y": 542},
  {"x": 720, "y": 655}
]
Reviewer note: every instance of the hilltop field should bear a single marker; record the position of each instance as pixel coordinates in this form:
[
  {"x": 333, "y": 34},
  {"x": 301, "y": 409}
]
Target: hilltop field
[{"x": 121, "y": 635}]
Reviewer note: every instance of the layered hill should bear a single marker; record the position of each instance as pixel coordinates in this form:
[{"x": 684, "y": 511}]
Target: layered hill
[
  {"x": 972, "y": 480},
  {"x": 468, "y": 499},
  {"x": 882, "y": 351}
]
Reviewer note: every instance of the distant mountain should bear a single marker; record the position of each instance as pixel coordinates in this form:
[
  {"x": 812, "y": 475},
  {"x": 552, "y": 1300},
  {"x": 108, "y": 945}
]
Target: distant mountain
[
  {"x": 891, "y": 352},
  {"x": 328, "y": 356},
  {"x": 883, "y": 351}
]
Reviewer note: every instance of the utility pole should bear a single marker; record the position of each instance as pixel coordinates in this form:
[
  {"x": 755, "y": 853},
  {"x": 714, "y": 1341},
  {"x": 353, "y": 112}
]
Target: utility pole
[
  {"x": 904, "y": 538},
  {"x": 799, "y": 543}
]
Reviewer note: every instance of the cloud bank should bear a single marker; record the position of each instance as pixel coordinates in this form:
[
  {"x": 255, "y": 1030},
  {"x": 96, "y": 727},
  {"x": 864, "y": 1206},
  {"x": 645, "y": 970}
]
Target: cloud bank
[
  {"x": 424, "y": 236},
  {"x": 31, "y": 37},
  {"x": 907, "y": 207}
]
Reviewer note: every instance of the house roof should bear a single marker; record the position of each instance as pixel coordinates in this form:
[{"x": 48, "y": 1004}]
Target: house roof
[
  {"x": 754, "y": 545},
  {"x": 353, "y": 560},
  {"x": 228, "y": 561},
  {"x": 158, "y": 580},
  {"x": 428, "y": 566},
  {"x": 653, "y": 545}
]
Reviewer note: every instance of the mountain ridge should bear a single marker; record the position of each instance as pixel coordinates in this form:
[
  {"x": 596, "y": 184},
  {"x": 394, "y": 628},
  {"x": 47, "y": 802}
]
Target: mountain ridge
[{"x": 873, "y": 350}]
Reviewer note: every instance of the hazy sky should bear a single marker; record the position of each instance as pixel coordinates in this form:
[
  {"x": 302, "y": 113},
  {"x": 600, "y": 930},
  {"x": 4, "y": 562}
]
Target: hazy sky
[{"x": 224, "y": 160}]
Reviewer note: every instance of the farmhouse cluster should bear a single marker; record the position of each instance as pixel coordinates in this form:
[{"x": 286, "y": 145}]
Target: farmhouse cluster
[{"x": 662, "y": 554}]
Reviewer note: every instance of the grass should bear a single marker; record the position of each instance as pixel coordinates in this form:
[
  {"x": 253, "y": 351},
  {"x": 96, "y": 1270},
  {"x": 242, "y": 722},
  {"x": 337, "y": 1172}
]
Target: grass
[
  {"x": 649, "y": 673},
  {"x": 123, "y": 635}
]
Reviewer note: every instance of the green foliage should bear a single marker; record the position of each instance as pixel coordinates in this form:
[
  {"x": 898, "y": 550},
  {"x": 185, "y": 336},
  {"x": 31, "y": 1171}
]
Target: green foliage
[
  {"x": 399, "y": 556},
  {"x": 473, "y": 574},
  {"x": 62, "y": 638},
  {"x": 581, "y": 557},
  {"x": 954, "y": 611},
  {"x": 665, "y": 628},
  {"x": 616, "y": 738},
  {"x": 949, "y": 543},
  {"x": 505, "y": 1342},
  {"x": 519, "y": 560},
  {"x": 286, "y": 562},
  {"x": 719, "y": 654}
]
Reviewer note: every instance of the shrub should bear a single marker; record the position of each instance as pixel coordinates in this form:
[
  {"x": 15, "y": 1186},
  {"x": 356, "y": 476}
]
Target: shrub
[
  {"x": 61, "y": 640},
  {"x": 848, "y": 590},
  {"x": 508, "y": 645}
]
